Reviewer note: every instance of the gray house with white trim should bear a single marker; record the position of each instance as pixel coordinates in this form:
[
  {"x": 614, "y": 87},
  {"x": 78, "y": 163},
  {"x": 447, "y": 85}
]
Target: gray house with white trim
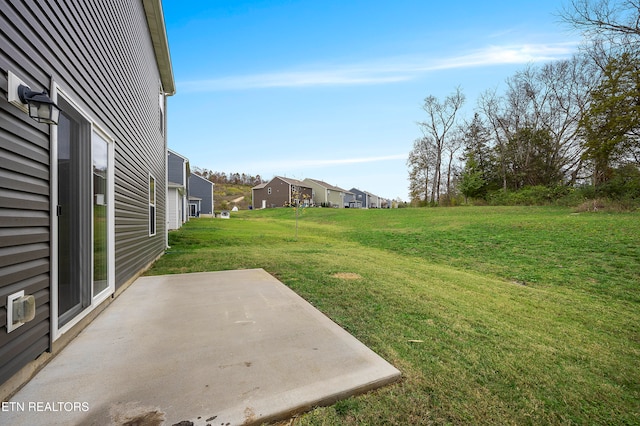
[
  {"x": 365, "y": 200},
  {"x": 82, "y": 202},
  {"x": 200, "y": 196},
  {"x": 177, "y": 189},
  {"x": 360, "y": 199}
]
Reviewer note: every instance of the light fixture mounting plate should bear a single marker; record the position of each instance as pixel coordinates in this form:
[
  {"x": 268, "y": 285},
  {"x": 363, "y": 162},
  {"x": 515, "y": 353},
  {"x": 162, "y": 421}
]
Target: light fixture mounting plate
[{"x": 12, "y": 91}]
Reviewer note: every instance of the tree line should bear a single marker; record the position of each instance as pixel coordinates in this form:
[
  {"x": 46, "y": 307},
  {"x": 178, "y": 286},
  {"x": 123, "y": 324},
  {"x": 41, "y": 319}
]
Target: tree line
[
  {"x": 230, "y": 179},
  {"x": 573, "y": 123}
]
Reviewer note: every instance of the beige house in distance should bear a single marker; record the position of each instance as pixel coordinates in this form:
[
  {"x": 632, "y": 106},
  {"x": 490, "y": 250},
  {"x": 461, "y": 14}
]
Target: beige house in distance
[{"x": 325, "y": 194}]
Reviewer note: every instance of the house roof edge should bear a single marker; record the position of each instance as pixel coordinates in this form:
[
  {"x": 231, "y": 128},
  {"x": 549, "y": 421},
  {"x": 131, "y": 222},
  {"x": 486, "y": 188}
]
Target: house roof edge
[{"x": 158, "y": 31}]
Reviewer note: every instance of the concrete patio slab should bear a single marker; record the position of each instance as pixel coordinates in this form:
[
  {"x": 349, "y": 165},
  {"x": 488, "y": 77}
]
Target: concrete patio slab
[{"x": 216, "y": 348}]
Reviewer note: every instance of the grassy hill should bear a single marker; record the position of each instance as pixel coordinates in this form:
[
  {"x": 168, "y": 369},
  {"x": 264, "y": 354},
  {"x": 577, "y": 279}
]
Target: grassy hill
[{"x": 227, "y": 195}]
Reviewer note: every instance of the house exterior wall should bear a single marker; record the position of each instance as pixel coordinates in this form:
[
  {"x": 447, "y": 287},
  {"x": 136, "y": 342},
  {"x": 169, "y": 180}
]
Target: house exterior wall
[
  {"x": 177, "y": 169},
  {"x": 174, "y": 208},
  {"x": 361, "y": 196},
  {"x": 304, "y": 194},
  {"x": 336, "y": 198},
  {"x": 203, "y": 189},
  {"x": 258, "y": 195},
  {"x": 374, "y": 201},
  {"x": 319, "y": 193},
  {"x": 195, "y": 204},
  {"x": 348, "y": 196},
  {"x": 177, "y": 190},
  {"x": 326, "y": 193},
  {"x": 350, "y": 200},
  {"x": 102, "y": 57},
  {"x": 278, "y": 191}
]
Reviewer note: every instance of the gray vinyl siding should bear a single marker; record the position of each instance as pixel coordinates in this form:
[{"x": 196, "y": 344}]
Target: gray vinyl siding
[
  {"x": 24, "y": 209},
  {"x": 203, "y": 189},
  {"x": 101, "y": 55},
  {"x": 361, "y": 196},
  {"x": 176, "y": 168}
]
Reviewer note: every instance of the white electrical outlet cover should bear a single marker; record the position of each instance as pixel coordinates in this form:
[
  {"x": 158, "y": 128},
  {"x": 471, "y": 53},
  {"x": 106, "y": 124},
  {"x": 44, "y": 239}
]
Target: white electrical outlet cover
[{"x": 10, "y": 325}]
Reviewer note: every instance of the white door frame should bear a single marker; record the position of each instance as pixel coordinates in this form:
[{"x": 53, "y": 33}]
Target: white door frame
[{"x": 95, "y": 299}]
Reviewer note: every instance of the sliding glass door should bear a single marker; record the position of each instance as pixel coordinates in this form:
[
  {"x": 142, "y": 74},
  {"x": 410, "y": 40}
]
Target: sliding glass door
[
  {"x": 82, "y": 213},
  {"x": 72, "y": 212}
]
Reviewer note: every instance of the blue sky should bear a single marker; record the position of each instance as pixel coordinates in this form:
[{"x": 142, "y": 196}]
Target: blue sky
[{"x": 332, "y": 90}]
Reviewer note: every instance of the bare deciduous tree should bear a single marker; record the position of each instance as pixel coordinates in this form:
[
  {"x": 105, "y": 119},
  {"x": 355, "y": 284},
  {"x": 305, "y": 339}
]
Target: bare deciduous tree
[
  {"x": 441, "y": 118},
  {"x": 545, "y": 100},
  {"x": 604, "y": 18},
  {"x": 610, "y": 27},
  {"x": 491, "y": 107},
  {"x": 421, "y": 163},
  {"x": 456, "y": 142}
]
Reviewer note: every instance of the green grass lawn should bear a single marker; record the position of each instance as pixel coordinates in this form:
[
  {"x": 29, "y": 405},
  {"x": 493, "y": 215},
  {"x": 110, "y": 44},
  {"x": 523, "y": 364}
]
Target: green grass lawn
[{"x": 494, "y": 315}]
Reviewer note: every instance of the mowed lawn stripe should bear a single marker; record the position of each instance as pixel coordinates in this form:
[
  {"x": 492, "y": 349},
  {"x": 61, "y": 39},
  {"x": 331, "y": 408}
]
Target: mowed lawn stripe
[{"x": 475, "y": 344}]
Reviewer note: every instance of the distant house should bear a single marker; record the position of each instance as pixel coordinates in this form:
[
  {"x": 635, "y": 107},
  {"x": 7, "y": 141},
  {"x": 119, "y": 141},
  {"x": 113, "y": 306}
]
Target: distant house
[
  {"x": 200, "y": 196},
  {"x": 361, "y": 199},
  {"x": 351, "y": 201},
  {"x": 177, "y": 189},
  {"x": 280, "y": 192},
  {"x": 83, "y": 202},
  {"x": 257, "y": 200},
  {"x": 374, "y": 201},
  {"x": 325, "y": 194},
  {"x": 366, "y": 200}
]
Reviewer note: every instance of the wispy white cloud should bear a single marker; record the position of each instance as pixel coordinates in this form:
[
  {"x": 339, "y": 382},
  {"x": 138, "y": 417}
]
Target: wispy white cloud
[
  {"x": 275, "y": 166},
  {"x": 388, "y": 70},
  {"x": 338, "y": 76},
  {"x": 345, "y": 161},
  {"x": 501, "y": 55}
]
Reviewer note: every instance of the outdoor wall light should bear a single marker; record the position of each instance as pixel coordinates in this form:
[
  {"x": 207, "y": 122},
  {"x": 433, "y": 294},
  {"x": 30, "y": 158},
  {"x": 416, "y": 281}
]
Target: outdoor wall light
[{"x": 41, "y": 107}]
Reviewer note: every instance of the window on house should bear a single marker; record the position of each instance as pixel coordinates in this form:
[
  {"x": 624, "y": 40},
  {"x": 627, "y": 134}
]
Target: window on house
[
  {"x": 269, "y": 190},
  {"x": 152, "y": 205}
]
